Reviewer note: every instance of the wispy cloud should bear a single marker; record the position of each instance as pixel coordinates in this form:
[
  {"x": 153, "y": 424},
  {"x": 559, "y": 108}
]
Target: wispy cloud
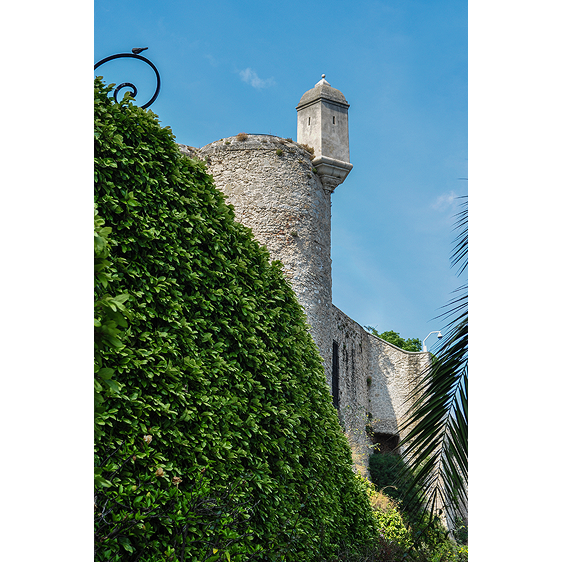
[
  {"x": 250, "y": 77},
  {"x": 445, "y": 201},
  {"x": 212, "y": 60}
]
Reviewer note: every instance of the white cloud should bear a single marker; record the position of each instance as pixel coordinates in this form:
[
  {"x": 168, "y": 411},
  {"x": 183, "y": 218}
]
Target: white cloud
[
  {"x": 445, "y": 201},
  {"x": 250, "y": 77},
  {"x": 212, "y": 60}
]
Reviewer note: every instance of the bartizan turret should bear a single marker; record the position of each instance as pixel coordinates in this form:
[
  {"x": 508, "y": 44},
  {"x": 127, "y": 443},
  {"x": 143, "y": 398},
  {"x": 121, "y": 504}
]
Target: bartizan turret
[{"x": 322, "y": 124}]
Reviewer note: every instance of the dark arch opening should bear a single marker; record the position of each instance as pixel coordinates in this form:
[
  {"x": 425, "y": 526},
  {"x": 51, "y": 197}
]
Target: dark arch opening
[{"x": 388, "y": 444}]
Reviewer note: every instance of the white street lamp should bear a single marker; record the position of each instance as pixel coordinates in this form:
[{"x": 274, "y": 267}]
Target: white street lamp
[{"x": 439, "y": 336}]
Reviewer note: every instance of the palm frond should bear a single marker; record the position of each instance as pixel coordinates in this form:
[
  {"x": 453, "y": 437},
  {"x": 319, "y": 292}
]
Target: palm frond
[
  {"x": 435, "y": 433},
  {"x": 460, "y": 253}
]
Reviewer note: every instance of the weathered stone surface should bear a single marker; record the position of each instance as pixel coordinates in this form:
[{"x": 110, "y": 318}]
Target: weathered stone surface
[{"x": 375, "y": 379}]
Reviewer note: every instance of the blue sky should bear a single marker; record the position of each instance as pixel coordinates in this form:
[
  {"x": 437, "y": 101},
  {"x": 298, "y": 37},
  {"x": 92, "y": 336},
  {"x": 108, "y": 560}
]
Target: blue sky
[{"x": 232, "y": 66}]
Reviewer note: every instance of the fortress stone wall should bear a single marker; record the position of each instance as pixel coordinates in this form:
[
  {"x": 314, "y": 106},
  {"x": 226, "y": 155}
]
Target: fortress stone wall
[
  {"x": 375, "y": 378},
  {"x": 283, "y": 193}
]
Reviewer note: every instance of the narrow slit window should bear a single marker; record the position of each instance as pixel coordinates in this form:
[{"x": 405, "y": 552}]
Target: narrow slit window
[
  {"x": 335, "y": 376},
  {"x": 334, "y": 119},
  {"x": 309, "y": 120}
]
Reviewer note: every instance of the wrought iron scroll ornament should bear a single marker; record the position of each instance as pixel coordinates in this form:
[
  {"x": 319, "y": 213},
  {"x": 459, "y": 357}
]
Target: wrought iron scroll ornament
[{"x": 134, "y": 55}]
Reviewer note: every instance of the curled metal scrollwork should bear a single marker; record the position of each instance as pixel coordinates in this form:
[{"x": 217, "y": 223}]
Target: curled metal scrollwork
[{"x": 133, "y": 55}]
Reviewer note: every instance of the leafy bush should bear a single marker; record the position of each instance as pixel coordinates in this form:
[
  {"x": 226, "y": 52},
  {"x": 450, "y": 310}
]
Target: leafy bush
[
  {"x": 427, "y": 537},
  {"x": 385, "y": 472},
  {"x": 392, "y": 527},
  {"x": 399, "y": 538},
  {"x": 410, "y": 344},
  {"x": 390, "y": 524},
  {"x": 216, "y": 378},
  {"x": 448, "y": 551},
  {"x": 108, "y": 319},
  {"x": 461, "y": 531}
]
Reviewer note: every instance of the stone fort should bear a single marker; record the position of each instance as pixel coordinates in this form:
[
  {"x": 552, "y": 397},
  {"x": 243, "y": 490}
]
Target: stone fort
[{"x": 282, "y": 190}]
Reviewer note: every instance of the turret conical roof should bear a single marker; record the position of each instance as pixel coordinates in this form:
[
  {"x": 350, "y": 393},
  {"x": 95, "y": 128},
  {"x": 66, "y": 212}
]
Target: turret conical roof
[{"x": 322, "y": 90}]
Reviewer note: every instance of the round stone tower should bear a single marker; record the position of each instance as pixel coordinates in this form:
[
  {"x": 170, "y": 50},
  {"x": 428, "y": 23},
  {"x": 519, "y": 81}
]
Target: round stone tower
[
  {"x": 272, "y": 185},
  {"x": 283, "y": 193}
]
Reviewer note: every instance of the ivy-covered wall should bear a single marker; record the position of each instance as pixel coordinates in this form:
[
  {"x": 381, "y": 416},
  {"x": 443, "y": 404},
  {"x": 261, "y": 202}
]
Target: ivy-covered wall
[{"x": 217, "y": 432}]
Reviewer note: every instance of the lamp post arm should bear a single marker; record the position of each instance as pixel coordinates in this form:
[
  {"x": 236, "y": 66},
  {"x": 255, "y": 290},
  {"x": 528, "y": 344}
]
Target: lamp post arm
[{"x": 434, "y": 332}]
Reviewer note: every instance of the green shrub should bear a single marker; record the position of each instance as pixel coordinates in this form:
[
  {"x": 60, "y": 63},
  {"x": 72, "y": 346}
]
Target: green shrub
[
  {"x": 461, "y": 531},
  {"x": 392, "y": 527},
  {"x": 410, "y": 344},
  {"x": 448, "y": 551},
  {"x": 109, "y": 320},
  {"x": 217, "y": 379},
  {"x": 389, "y": 475},
  {"x": 398, "y": 540},
  {"x": 385, "y": 472}
]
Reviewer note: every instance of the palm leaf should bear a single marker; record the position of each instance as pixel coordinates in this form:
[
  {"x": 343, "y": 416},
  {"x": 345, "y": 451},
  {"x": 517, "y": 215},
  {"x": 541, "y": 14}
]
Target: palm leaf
[
  {"x": 435, "y": 433},
  {"x": 460, "y": 253}
]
